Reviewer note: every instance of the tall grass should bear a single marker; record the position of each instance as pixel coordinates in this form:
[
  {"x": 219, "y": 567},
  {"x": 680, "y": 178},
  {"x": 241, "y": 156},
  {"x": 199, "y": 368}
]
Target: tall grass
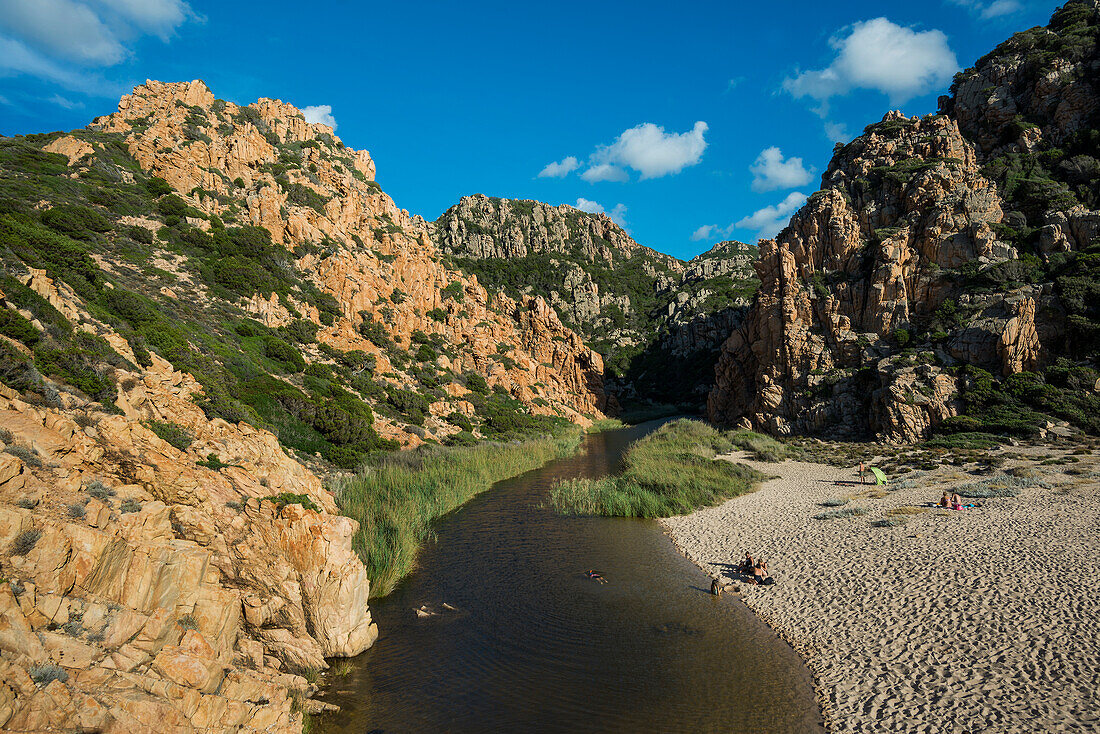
[
  {"x": 763, "y": 448},
  {"x": 672, "y": 471},
  {"x": 606, "y": 424},
  {"x": 396, "y": 499}
]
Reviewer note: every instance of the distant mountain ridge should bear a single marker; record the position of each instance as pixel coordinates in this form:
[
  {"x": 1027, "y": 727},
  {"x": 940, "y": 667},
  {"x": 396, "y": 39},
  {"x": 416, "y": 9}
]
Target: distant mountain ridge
[{"x": 656, "y": 320}]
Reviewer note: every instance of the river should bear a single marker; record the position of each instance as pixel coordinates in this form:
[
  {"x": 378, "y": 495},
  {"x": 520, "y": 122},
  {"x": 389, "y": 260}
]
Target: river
[{"x": 533, "y": 645}]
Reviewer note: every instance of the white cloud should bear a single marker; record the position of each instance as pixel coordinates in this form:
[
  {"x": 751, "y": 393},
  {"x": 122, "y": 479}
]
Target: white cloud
[
  {"x": 55, "y": 40},
  {"x": 987, "y": 10},
  {"x": 768, "y": 221},
  {"x": 644, "y": 148},
  {"x": 158, "y": 17},
  {"x": 16, "y": 58},
  {"x": 604, "y": 172},
  {"x": 68, "y": 104},
  {"x": 837, "y": 132},
  {"x": 652, "y": 152},
  {"x": 771, "y": 172},
  {"x": 560, "y": 169},
  {"x": 881, "y": 55},
  {"x": 62, "y": 28},
  {"x": 616, "y": 215},
  {"x": 711, "y": 231},
  {"x": 321, "y": 113}
]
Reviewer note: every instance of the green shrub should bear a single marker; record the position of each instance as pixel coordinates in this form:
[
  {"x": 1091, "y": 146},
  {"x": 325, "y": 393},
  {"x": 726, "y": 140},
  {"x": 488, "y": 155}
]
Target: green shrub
[
  {"x": 477, "y": 383},
  {"x": 157, "y": 186},
  {"x": 287, "y": 498},
  {"x": 173, "y": 433},
  {"x": 140, "y": 234},
  {"x": 455, "y": 291},
  {"x": 130, "y": 505},
  {"x": 965, "y": 442},
  {"x": 303, "y": 195},
  {"x": 14, "y": 326},
  {"x": 279, "y": 351},
  {"x": 78, "y": 221},
  {"x": 302, "y": 331}
]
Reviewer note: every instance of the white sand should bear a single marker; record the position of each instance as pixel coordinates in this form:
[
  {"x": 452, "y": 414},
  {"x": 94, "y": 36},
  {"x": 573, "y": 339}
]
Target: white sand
[{"x": 985, "y": 620}]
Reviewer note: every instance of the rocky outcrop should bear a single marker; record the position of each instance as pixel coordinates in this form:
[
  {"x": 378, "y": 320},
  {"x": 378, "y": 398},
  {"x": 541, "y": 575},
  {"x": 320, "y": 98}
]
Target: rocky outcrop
[
  {"x": 145, "y": 591},
  {"x": 647, "y": 313},
  {"x": 266, "y": 165},
  {"x": 865, "y": 259},
  {"x": 934, "y": 243},
  {"x": 559, "y": 252}
]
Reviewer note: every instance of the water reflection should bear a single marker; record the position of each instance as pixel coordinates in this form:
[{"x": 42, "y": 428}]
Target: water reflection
[{"x": 531, "y": 644}]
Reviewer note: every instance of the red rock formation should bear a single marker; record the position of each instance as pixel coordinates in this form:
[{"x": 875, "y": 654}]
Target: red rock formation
[{"x": 861, "y": 265}]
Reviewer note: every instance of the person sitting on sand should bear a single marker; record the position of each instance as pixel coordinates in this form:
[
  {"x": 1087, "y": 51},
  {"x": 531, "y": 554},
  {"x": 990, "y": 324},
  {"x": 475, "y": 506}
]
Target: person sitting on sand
[
  {"x": 945, "y": 501},
  {"x": 747, "y": 565},
  {"x": 956, "y": 502},
  {"x": 759, "y": 571}
]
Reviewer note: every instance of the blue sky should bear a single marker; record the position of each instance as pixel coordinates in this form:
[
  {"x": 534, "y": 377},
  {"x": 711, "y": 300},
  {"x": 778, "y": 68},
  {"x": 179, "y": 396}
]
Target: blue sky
[{"x": 687, "y": 122}]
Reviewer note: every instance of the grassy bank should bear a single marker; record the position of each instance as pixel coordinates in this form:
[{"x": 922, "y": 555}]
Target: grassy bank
[
  {"x": 606, "y": 424},
  {"x": 669, "y": 472},
  {"x": 396, "y": 499}
]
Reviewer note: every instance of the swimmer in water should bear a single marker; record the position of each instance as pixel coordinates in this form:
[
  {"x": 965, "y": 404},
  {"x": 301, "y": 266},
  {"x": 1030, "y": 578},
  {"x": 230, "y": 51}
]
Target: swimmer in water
[{"x": 595, "y": 576}]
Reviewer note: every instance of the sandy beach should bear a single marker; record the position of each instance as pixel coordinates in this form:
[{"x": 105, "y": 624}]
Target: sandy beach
[{"x": 984, "y": 620}]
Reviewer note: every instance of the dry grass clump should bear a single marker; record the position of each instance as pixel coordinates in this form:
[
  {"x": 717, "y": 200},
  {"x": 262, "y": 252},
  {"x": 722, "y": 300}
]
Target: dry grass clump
[
  {"x": 835, "y": 502},
  {"x": 45, "y": 673},
  {"x": 24, "y": 542},
  {"x": 841, "y": 512},
  {"x": 905, "y": 510}
]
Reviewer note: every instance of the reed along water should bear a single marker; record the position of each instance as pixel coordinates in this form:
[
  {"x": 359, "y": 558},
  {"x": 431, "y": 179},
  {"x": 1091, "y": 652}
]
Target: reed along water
[{"x": 533, "y": 645}]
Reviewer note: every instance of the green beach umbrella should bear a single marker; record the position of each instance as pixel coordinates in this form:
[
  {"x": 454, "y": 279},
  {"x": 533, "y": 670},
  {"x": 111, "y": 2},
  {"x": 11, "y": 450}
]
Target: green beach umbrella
[{"x": 880, "y": 478}]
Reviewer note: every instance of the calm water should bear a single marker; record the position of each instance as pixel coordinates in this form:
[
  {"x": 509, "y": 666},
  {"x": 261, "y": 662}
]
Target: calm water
[{"x": 535, "y": 646}]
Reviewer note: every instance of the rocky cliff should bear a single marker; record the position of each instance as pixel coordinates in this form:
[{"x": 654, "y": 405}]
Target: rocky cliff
[
  {"x": 657, "y": 321},
  {"x": 161, "y": 585},
  {"x": 944, "y": 276},
  {"x": 205, "y": 308}
]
